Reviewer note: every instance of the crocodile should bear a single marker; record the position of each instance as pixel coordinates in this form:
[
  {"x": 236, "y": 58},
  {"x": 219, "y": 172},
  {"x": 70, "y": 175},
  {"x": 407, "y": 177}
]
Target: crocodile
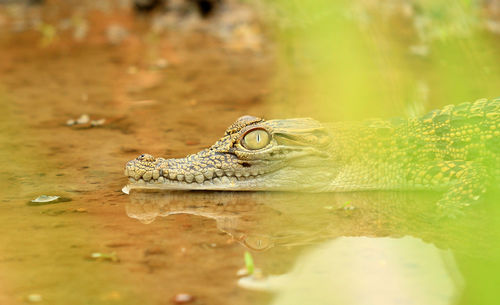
[{"x": 455, "y": 150}]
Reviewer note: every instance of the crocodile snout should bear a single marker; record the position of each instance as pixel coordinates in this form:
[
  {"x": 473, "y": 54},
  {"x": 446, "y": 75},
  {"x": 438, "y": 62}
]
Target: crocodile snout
[
  {"x": 142, "y": 167},
  {"x": 146, "y": 158}
]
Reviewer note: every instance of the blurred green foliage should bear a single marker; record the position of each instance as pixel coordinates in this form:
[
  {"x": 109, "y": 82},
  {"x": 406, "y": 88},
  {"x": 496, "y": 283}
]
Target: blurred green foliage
[
  {"x": 249, "y": 263},
  {"x": 357, "y": 59},
  {"x": 351, "y": 60}
]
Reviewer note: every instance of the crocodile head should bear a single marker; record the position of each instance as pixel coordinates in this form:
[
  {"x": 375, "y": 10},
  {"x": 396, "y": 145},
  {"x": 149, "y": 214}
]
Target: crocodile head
[{"x": 253, "y": 154}]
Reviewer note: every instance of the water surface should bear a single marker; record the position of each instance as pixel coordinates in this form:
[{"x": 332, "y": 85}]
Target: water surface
[{"x": 359, "y": 248}]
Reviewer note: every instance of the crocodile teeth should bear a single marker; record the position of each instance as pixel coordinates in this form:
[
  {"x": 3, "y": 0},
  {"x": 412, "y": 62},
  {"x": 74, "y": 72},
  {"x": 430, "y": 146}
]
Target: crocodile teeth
[
  {"x": 180, "y": 177},
  {"x": 147, "y": 176},
  {"x": 225, "y": 179},
  {"x": 219, "y": 172},
  {"x": 161, "y": 179},
  {"x": 229, "y": 173},
  {"x": 199, "y": 178},
  {"x": 237, "y": 174},
  {"x": 131, "y": 179},
  {"x": 209, "y": 174},
  {"x": 189, "y": 178},
  {"x": 156, "y": 174},
  {"x": 172, "y": 175},
  {"x": 246, "y": 174},
  {"x": 137, "y": 176},
  {"x": 254, "y": 172}
]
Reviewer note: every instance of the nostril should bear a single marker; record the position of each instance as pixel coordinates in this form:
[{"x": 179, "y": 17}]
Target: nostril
[
  {"x": 245, "y": 164},
  {"x": 146, "y": 158}
]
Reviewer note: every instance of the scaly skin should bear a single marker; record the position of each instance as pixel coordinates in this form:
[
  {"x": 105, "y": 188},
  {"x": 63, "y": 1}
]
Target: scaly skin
[{"x": 455, "y": 149}]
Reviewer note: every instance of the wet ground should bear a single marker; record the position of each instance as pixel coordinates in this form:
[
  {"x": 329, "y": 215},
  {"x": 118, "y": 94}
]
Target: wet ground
[{"x": 171, "y": 94}]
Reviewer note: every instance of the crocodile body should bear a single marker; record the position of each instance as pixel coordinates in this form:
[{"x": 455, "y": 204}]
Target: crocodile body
[{"x": 455, "y": 149}]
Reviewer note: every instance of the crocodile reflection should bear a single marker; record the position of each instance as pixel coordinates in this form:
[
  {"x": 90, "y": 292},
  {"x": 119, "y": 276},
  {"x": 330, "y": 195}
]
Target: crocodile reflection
[
  {"x": 343, "y": 236},
  {"x": 263, "y": 220},
  {"x": 235, "y": 213}
]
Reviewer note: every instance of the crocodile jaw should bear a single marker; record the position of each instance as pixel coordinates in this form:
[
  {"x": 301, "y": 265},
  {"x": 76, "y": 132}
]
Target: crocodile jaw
[
  {"x": 165, "y": 174},
  {"x": 223, "y": 183},
  {"x": 285, "y": 163}
]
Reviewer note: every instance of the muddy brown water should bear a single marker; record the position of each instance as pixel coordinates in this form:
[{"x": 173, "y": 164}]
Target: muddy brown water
[
  {"x": 169, "y": 112},
  {"x": 194, "y": 242}
]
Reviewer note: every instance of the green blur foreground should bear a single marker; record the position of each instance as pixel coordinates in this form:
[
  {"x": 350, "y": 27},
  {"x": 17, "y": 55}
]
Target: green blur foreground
[
  {"x": 355, "y": 60},
  {"x": 350, "y": 60}
]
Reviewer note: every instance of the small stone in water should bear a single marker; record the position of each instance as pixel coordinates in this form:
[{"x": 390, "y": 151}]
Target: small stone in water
[
  {"x": 70, "y": 122},
  {"x": 83, "y": 119},
  {"x": 104, "y": 257},
  {"x": 97, "y": 122},
  {"x": 183, "y": 298},
  {"x": 45, "y": 198}
]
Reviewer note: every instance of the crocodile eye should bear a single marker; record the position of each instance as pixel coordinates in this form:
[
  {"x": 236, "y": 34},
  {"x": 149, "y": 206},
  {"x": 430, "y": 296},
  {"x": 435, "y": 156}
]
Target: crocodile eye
[{"x": 256, "y": 139}]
